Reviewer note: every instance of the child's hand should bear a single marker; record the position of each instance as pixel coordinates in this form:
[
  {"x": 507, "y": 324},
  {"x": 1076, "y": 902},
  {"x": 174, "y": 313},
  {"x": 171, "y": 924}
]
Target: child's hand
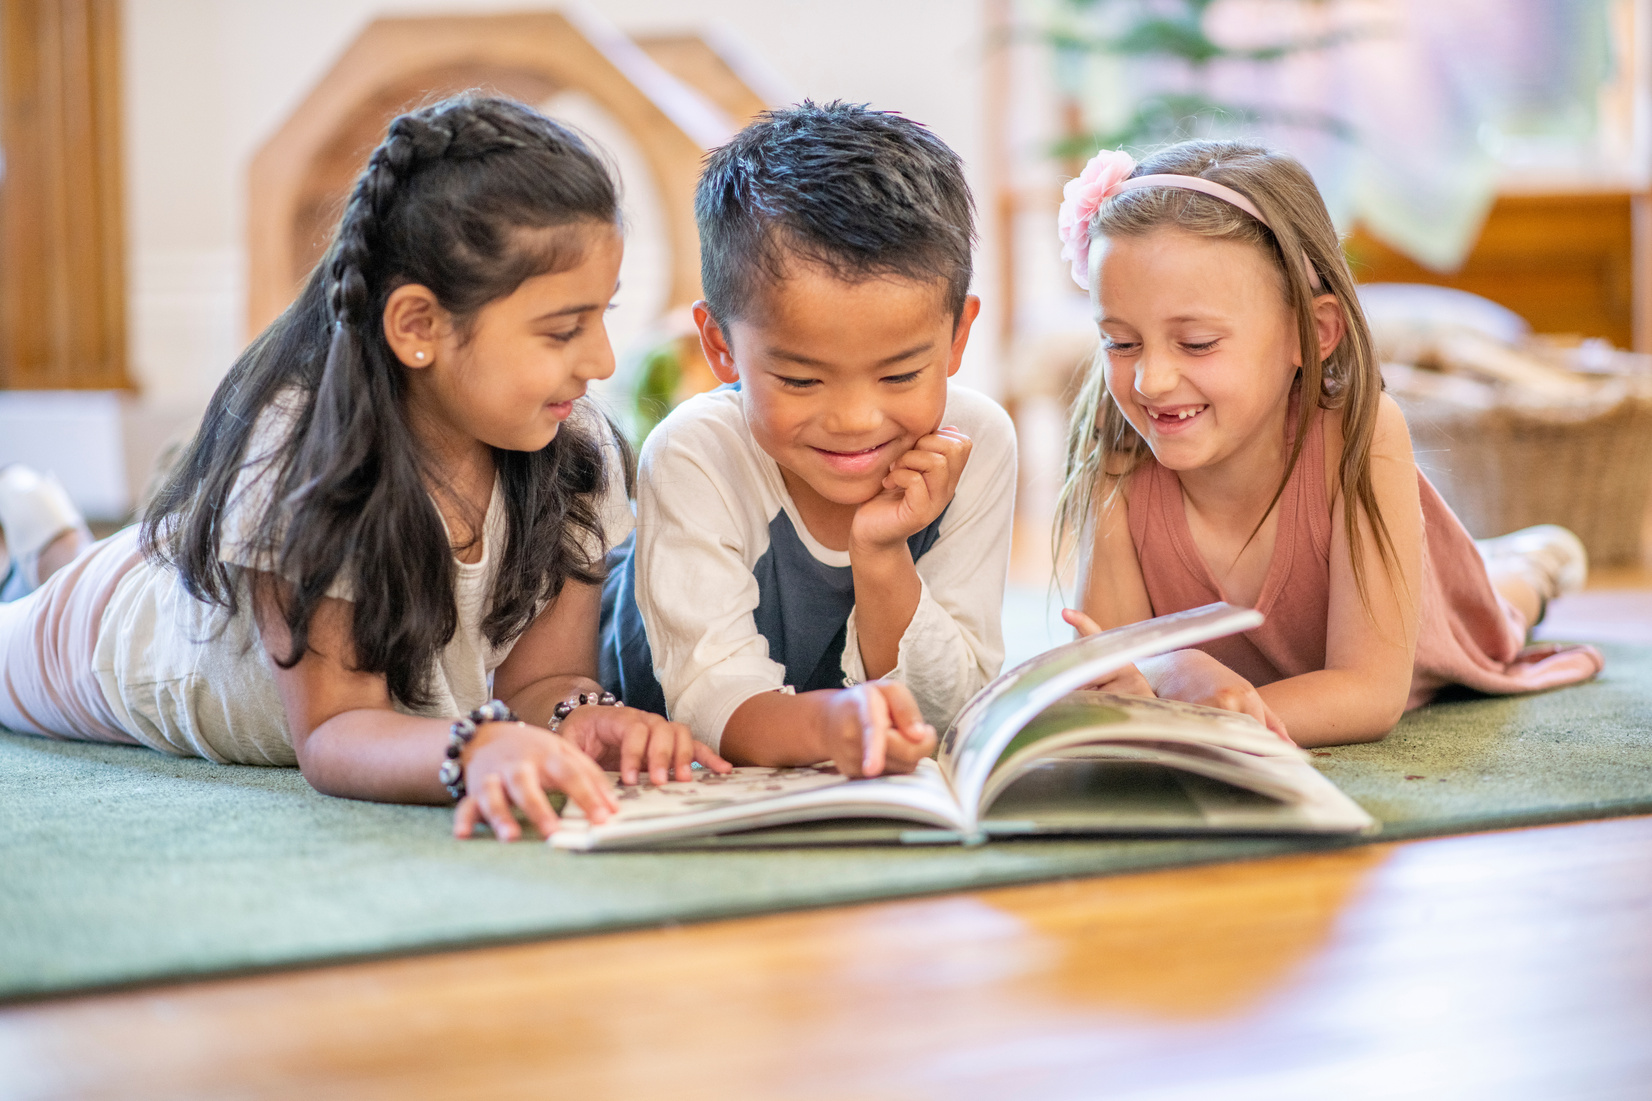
[
  {"x": 1123, "y": 682},
  {"x": 509, "y": 766},
  {"x": 876, "y": 727},
  {"x": 621, "y": 739},
  {"x": 1193, "y": 676},
  {"x": 915, "y": 491}
]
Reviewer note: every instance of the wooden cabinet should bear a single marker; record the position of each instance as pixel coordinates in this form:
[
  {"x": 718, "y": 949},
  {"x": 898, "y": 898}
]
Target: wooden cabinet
[{"x": 1564, "y": 262}]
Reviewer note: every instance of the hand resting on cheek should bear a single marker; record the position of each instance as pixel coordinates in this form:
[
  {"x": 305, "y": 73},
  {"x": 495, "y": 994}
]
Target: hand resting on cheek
[{"x": 919, "y": 486}]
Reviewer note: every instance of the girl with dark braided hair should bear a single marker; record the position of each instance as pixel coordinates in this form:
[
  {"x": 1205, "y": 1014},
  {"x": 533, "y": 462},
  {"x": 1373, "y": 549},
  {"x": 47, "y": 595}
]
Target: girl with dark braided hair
[{"x": 396, "y": 507}]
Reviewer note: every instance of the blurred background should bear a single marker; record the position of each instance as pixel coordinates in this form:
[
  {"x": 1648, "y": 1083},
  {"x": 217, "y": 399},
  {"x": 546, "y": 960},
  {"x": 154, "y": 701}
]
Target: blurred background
[{"x": 172, "y": 169}]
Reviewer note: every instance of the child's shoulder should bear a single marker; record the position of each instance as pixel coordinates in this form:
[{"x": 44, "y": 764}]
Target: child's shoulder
[
  {"x": 963, "y": 403},
  {"x": 708, "y": 413},
  {"x": 987, "y": 424},
  {"x": 709, "y": 427},
  {"x": 1390, "y": 436},
  {"x": 990, "y": 472},
  {"x": 1390, "y": 440}
]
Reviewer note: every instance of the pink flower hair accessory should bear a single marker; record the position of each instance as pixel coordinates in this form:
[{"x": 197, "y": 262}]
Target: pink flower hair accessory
[
  {"x": 1080, "y": 200},
  {"x": 1107, "y": 175}
]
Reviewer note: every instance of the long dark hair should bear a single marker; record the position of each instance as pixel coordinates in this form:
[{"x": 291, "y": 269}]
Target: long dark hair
[{"x": 444, "y": 202}]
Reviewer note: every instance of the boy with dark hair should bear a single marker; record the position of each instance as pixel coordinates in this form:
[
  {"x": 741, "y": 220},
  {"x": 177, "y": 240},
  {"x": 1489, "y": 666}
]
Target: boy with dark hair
[{"x": 822, "y": 543}]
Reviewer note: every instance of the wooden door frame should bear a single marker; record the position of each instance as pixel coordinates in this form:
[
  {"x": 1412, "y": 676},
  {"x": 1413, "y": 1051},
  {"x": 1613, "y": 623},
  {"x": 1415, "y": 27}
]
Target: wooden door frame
[{"x": 62, "y": 226}]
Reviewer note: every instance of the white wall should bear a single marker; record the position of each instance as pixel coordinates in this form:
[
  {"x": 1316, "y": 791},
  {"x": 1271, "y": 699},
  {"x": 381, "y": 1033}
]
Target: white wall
[{"x": 208, "y": 81}]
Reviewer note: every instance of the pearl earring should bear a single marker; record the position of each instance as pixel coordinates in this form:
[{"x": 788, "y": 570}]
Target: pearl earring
[{"x": 418, "y": 355}]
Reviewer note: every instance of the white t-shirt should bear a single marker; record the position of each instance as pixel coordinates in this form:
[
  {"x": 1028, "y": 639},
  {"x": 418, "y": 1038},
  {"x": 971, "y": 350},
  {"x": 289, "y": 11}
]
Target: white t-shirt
[
  {"x": 184, "y": 678},
  {"x": 709, "y": 502}
]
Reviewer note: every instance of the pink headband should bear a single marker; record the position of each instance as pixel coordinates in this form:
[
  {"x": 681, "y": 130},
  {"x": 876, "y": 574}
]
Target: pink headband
[{"x": 1107, "y": 175}]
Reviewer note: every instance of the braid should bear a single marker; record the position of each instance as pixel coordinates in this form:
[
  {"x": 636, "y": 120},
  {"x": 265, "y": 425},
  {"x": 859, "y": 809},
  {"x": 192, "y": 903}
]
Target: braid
[
  {"x": 410, "y": 142},
  {"x": 454, "y": 130}
]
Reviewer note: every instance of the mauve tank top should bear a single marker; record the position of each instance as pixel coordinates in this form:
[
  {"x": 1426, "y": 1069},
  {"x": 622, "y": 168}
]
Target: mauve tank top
[{"x": 1467, "y": 633}]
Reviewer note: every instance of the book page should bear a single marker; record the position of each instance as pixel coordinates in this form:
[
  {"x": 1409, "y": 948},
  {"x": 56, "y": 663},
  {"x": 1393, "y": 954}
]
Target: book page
[
  {"x": 1145, "y": 789},
  {"x": 1088, "y": 716},
  {"x": 1223, "y": 745},
  {"x": 1149, "y": 758},
  {"x": 751, "y": 797},
  {"x": 998, "y": 712}
]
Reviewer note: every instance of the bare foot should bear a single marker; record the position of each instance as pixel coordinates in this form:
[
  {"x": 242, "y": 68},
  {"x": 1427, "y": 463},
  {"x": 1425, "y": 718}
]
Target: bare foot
[
  {"x": 1514, "y": 584},
  {"x": 1532, "y": 566}
]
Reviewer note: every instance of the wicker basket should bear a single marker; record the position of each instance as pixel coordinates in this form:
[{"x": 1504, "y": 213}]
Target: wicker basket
[{"x": 1508, "y": 467}]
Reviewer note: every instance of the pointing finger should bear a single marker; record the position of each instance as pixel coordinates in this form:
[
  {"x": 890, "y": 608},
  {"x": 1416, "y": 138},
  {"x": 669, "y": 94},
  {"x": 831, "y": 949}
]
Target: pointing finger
[
  {"x": 522, "y": 782},
  {"x": 874, "y": 731},
  {"x": 633, "y": 746},
  {"x": 496, "y": 807},
  {"x": 584, "y": 783},
  {"x": 662, "y": 743},
  {"x": 709, "y": 758},
  {"x": 465, "y": 816}
]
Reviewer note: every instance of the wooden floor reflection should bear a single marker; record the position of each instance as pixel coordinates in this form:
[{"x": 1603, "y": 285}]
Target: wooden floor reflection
[{"x": 1505, "y": 965}]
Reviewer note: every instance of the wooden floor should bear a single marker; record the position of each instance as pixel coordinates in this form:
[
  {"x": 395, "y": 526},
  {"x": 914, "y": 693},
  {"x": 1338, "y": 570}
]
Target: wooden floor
[
  {"x": 1511, "y": 965},
  {"x": 1500, "y": 966}
]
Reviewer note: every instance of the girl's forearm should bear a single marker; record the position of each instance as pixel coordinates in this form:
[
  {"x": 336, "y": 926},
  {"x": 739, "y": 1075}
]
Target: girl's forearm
[
  {"x": 1337, "y": 706},
  {"x": 387, "y": 757},
  {"x": 376, "y": 754},
  {"x": 537, "y": 700}
]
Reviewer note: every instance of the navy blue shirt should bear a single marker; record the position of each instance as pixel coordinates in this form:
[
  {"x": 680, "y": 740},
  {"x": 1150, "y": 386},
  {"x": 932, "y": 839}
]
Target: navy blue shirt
[{"x": 802, "y": 610}]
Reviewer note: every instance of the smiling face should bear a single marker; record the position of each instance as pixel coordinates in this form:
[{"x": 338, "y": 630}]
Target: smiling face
[
  {"x": 509, "y": 378},
  {"x": 838, "y": 378},
  {"x": 1201, "y": 344}
]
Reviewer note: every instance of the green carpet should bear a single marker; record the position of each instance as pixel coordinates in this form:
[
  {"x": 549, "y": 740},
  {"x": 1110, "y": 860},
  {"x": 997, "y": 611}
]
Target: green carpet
[{"x": 122, "y": 866}]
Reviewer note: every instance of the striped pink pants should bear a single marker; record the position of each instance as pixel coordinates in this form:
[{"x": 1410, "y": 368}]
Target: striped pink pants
[{"x": 48, "y": 684}]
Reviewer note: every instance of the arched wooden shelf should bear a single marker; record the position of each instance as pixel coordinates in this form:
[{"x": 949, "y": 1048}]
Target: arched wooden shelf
[{"x": 299, "y": 178}]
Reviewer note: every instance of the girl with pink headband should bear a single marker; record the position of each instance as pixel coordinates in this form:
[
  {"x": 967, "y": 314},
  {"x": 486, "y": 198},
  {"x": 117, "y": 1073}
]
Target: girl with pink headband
[{"x": 1232, "y": 442}]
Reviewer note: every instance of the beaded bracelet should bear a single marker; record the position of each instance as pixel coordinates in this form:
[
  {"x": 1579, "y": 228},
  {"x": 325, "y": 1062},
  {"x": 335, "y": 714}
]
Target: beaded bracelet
[
  {"x": 581, "y": 699},
  {"x": 452, "y": 772}
]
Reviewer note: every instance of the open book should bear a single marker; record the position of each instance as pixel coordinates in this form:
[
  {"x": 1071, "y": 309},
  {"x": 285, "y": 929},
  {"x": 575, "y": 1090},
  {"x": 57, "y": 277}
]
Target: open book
[{"x": 1031, "y": 753}]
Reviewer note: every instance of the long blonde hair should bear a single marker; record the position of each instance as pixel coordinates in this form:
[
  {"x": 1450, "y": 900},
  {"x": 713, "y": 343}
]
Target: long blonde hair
[{"x": 1102, "y": 446}]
